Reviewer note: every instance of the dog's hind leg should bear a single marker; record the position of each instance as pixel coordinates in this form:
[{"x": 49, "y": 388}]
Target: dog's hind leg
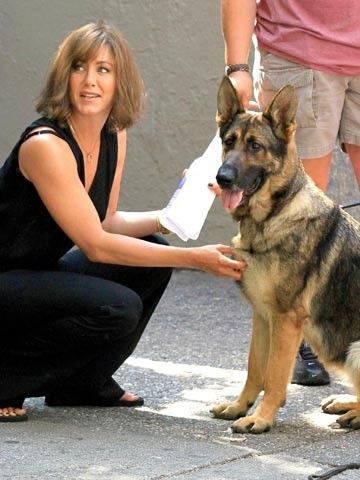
[
  {"x": 348, "y": 406},
  {"x": 285, "y": 337},
  {"x": 257, "y": 363}
]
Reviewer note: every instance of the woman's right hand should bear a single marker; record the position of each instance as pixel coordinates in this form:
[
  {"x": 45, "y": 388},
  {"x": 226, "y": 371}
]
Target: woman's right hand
[{"x": 215, "y": 259}]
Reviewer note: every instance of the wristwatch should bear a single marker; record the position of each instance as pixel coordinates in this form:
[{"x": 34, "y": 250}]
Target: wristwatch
[{"x": 236, "y": 67}]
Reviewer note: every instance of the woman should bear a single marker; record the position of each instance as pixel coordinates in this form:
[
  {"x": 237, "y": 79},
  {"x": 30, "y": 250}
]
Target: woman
[{"x": 71, "y": 317}]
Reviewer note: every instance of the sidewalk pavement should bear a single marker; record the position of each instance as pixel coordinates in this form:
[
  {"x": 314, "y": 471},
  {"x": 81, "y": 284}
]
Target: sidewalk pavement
[{"x": 192, "y": 354}]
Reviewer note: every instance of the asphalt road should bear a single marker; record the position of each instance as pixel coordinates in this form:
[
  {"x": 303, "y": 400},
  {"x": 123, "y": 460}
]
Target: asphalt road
[{"x": 192, "y": 354}]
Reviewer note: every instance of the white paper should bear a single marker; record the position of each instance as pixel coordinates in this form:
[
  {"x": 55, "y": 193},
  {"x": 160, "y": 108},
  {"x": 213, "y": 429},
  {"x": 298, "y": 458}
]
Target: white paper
[{"x": 187, "y": 209}]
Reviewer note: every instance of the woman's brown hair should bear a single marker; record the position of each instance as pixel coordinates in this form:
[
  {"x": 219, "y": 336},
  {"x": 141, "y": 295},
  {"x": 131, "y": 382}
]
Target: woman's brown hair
[{"x": 80, "y": 46}]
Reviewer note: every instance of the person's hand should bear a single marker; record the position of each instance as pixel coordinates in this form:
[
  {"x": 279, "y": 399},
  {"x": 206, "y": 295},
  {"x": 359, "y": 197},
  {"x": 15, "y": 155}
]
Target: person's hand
[
  {"x": 214, "y": 187},
  {"x": 243, "y": 85},
  {"x": 215, "y": 259}
]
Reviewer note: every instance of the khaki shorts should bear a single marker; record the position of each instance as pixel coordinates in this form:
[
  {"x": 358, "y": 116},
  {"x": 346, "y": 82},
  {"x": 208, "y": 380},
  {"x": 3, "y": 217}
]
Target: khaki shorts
[{"x": 329, "y": 104}]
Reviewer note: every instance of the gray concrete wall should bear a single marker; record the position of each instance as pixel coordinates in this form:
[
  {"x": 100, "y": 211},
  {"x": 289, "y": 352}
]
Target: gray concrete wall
[{"x": 179, "y": 48}]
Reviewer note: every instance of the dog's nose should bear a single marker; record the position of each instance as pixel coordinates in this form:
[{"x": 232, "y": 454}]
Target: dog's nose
[{"x": 225, "y": 176}]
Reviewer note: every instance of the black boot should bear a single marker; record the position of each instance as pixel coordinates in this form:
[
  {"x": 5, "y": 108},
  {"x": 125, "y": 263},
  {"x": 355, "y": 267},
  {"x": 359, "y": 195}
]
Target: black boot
[{"x": 308, "y": 370}]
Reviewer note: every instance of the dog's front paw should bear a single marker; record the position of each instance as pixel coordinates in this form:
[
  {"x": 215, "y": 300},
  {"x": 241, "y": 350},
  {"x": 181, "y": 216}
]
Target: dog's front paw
[
  {"x": 251, "y": 424},
  {"x": 338, "y": 404},
  {"x": 345, "y": 405},
  {"x": 351, "y": 419},
  {"x": 228, "y": 411}
]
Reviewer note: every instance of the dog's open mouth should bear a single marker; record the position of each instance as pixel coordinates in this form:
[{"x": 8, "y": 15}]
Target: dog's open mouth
[{"x": 236, "y": 197}]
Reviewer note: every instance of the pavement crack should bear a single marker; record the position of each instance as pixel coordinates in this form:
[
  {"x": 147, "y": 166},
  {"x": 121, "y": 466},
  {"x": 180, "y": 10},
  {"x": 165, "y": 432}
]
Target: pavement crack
[{"x": 202, "y": 467}]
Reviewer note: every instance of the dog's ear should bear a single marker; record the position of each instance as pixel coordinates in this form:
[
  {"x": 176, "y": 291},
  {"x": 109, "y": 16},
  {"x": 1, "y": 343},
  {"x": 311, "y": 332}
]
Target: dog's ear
[
  {"x": 228, "y": 103},
  {"x": 281, "y": 112}
]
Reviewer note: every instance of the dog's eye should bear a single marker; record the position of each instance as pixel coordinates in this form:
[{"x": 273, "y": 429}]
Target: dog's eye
[
  {"x": 229, "y": 141},
  {"x": 254, "y": 146}
]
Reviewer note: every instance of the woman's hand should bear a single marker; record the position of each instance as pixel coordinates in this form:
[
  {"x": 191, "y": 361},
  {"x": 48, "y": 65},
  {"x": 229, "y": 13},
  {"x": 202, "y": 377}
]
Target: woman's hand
[{"x": 215, "y": 259}]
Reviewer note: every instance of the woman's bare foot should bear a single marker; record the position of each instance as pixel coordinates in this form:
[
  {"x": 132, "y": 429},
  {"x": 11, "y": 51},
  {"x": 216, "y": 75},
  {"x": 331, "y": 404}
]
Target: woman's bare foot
[
  {"x": 128, "y": 396},
  {"x": 129, "y": 399},
  {"x": 11, "y": 414}
]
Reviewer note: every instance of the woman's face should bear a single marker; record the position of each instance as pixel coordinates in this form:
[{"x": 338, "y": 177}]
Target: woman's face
[{"x": 92, "y": 85}]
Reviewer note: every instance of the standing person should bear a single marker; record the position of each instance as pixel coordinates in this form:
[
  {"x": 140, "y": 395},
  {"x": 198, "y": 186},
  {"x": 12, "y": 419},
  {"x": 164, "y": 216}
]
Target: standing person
[
  {"x": 71, "y": 317},
  {"x": 319, "y": 55}
]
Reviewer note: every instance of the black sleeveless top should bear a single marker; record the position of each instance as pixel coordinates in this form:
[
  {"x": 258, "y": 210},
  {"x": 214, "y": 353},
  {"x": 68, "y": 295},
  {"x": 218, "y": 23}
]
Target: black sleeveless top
[{"x": 29, "y": 237}]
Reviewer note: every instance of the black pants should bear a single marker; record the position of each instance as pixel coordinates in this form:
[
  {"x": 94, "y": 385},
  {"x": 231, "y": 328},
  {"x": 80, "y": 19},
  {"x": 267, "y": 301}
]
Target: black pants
[{"x": 64, "y": 332}]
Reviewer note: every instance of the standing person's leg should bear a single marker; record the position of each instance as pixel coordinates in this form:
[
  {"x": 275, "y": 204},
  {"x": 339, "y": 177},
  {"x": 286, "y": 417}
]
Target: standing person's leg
[
  {"x": 319, "y": 169},
  {"x": 350, "y": 125},
  {"x": 354, "y": 154}
]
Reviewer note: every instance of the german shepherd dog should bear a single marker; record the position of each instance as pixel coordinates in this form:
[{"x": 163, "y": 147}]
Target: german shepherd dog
[{"x": 303, "y": 260}]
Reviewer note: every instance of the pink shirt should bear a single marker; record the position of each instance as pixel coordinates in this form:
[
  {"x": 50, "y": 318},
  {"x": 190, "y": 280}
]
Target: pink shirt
[{"x": 321, "y": 34}]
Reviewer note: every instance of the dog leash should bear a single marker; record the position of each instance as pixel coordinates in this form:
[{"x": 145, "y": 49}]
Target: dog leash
[
  {"x": 334, "y": 471},
  {"x": 344, "y": 207}
]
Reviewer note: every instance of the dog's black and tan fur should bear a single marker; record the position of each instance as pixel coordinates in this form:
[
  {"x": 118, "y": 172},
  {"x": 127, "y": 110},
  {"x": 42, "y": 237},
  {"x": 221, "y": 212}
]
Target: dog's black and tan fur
[{"x": 303, "y": 260}]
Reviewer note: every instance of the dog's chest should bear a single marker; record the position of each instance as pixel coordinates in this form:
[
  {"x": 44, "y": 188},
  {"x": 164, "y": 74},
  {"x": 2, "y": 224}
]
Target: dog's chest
[{"x": 258, "y": 283}]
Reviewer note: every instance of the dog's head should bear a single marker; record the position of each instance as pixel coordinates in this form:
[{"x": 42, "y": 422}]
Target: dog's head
[{"x": 259, "y": 153}]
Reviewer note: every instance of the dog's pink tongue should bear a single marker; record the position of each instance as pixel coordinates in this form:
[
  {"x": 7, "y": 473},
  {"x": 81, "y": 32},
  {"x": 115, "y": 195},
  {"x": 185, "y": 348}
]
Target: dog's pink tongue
[{"x": 231, "y": 199}]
